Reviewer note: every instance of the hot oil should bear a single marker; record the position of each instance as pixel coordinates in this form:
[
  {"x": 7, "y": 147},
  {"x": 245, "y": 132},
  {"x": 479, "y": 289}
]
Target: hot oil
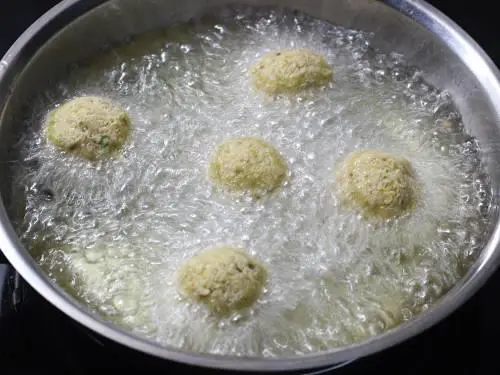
[{"x": 115, "y": 232}]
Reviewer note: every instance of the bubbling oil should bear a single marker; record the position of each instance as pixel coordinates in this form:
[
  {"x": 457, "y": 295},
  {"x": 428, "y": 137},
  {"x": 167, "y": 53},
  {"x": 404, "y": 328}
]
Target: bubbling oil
[{"x": 114, "y": 232}]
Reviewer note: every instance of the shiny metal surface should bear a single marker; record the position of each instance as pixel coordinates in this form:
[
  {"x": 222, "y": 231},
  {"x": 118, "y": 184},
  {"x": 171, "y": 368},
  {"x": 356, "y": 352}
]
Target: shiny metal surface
[{"x": 447, "y": 55}]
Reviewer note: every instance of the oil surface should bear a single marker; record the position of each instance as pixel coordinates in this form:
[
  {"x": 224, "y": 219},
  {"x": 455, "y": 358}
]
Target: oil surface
[{"x": 115, "y": 232}]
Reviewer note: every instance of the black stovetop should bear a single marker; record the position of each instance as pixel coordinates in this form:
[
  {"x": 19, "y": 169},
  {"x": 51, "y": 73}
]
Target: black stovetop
[{"x": 38, "y": 339}]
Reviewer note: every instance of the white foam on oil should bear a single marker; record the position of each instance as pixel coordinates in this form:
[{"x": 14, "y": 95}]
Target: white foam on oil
[{"x": 128, "y": 224}]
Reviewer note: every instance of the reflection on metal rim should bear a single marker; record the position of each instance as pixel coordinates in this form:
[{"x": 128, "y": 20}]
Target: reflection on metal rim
[{"x": 328, "y": 369}]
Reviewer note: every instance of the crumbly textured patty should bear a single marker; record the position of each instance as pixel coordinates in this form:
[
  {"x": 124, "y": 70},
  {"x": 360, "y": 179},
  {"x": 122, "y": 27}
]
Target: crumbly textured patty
[
  {"x": 89, "y": 126},
  {"x": 224, "y": 278},
  {"x": 290, "y": 70},
  {"x": 248, "y": 164},
  {"x": 377, "y": 183}
]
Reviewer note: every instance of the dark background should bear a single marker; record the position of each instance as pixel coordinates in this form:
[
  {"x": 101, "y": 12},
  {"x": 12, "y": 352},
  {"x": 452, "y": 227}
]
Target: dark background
[{"x": 40, "y": 340}]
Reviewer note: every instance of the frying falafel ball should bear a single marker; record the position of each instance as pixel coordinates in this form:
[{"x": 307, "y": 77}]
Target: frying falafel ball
[
  {"x": 224, "y": 278},
  {"x": 378, "y": 184},
  {"x": 248, "y": 164},
  {"x": 290, "y": 70},
  {"x": 88, "y": 126}
]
